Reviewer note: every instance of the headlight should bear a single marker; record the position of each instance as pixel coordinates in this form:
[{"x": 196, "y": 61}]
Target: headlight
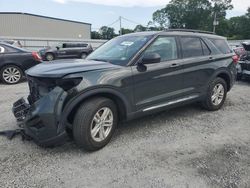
[{"x": 68, "y": 83}]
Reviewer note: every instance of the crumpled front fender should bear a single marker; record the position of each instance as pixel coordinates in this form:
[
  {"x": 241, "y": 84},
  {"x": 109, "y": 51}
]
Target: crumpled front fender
[{"x": 41, "y": 122}]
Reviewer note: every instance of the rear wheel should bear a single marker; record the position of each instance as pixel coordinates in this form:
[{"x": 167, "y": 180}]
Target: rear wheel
[
  {"x": 216, "y": 95},
  {"x": 11, "y": 74},
  {"x": 50, "y": 57},
  {"x": 94, "y": 123},
  {"x": 83, "y": 55}
]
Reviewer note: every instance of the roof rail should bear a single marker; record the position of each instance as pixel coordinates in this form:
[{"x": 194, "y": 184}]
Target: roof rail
[{"x": 190, "y": 30}]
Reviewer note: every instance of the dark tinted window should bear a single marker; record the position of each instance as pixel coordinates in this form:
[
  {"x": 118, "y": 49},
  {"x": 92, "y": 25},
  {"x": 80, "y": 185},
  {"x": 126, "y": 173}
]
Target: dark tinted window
[
  {"x": 74, "y": 45},
  {"x": 221, "y": 45},
  {"x": 206, "y": 50},
  {"x": 165, "y": 47},
  {"x": 191, "y": 47}
]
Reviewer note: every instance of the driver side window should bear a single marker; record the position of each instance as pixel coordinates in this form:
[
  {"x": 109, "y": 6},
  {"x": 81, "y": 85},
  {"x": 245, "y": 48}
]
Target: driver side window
[{"x": 164, "y": 46}]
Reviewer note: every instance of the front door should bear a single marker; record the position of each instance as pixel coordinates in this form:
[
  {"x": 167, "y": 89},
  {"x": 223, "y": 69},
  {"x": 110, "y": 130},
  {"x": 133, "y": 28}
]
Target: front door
[{"x": 157, "y": 84}]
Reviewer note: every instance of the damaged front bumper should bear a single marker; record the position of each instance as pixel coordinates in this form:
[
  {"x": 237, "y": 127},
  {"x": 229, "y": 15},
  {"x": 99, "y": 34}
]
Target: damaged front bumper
[
  {"x": 40, "y": 120},
  {"x": 243, "y": 70}
]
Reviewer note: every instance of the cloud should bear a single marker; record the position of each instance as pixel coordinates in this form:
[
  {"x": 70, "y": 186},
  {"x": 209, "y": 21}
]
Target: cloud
[
  {"x": 121, "y": 3},
  {"x": 239, "y": 5},
  {"x": 61, "y": 1}
]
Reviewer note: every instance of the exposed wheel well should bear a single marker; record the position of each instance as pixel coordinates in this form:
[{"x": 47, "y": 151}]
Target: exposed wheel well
[
  {"x": 117, "y": 100},
  {"x": 225, "y": 77}
]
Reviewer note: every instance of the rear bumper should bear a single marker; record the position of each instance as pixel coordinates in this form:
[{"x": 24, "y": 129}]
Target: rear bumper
[{"x": 41, "y": 120}]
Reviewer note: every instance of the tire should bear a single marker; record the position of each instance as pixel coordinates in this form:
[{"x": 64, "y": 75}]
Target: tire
[
  {"x": 210, "y": 102},
  {"x": 83, "y": 55},
  {"x": 11, "y": 74},
  {"x": 49, "y": 57},
  {"x": 85, "y": 127}
]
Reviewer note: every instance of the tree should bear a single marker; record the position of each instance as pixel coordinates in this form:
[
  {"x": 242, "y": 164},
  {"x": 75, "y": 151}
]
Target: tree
[
  {"x": 248, "y": 12},
  {"x": 107, "y": 32},
  {"x": 161, "y": 17},
  {"x": 139, "y": 28},
  {"x": 95, "y": 35},
  {"x": 191, "y": 14},
  {"x": 126, "y": 31},
  {"x": 239, "y": 27},
  {"x": 221, "y": 6}
]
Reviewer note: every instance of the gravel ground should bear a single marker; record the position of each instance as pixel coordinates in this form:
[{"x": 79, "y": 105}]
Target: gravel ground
[{"x": 185, "y": 147}]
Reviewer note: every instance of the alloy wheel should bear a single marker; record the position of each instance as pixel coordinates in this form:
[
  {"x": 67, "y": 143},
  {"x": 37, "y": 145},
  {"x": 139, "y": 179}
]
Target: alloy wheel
[
  {"x": 102, "y": 124},
  {"x": 11, "y": 75},
  {"x": 218, "y": 94}
]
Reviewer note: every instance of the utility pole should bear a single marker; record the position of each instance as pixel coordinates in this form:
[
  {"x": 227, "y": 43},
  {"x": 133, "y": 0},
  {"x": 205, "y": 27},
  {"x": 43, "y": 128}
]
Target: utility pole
[
  {"x": 120, "y": 20},
  {"x": 215, "y": 22}
]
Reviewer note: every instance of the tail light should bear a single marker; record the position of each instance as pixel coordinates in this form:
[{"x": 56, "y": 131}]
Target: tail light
[
  {"x": 235, "y": 59},
  {"x": 36, "y": 56}
]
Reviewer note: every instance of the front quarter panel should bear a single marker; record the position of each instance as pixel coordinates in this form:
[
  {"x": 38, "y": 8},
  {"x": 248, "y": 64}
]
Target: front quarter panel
[{"x": 117, "y": 81}]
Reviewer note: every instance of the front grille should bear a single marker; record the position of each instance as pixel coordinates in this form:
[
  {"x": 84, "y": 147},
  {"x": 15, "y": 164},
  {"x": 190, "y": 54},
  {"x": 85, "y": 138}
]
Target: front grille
[{"x": 20, "y": 109}]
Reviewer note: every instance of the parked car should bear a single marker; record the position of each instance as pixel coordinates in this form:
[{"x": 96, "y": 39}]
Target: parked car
[
  {"x": 16, "y": 43},
  {"x": 128, "y": 77},
  {"x": 14, "y": 61},
  {"x": 243, "y": 67},
  {"x": 66, "y": 50}
]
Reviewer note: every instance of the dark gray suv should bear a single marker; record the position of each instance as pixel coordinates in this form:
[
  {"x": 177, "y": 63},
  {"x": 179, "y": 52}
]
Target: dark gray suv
[
  {"x": 66, "y": 50},
  {"x": 127, "y": 77}
]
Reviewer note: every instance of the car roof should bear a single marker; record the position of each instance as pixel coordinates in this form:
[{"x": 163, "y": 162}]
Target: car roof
[
  {"x": 11, "y": 46},
  {"x": 179, "y": 32}
]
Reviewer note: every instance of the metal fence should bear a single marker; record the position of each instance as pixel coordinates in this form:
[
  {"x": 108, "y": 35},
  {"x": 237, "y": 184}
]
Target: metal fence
[{"x": 38, "y": 43}]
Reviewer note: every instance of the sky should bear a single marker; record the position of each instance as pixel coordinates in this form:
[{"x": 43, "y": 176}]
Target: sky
[{"x": 101, "y": 12}]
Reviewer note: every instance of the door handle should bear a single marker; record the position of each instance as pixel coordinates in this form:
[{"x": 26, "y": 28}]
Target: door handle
[
  {"x": 174, "y": 65},
  {"x": 211, "y": 58}
]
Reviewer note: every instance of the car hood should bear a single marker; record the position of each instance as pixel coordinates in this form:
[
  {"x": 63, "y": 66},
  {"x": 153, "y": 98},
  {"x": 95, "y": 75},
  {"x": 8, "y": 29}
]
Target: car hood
[{"x": 60, "y": 68}]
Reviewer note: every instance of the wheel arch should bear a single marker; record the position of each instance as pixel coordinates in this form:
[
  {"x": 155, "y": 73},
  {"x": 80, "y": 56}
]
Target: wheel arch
[
  {"x": 53, "y": 53},
  {"x": 14, "y": 64},
  {"x": 225, "y": 76},
  {"x": 118, "y": 98}
]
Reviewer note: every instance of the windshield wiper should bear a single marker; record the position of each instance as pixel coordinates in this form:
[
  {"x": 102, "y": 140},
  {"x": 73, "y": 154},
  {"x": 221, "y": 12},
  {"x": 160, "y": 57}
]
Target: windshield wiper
[{"x": 100, "y": 60}]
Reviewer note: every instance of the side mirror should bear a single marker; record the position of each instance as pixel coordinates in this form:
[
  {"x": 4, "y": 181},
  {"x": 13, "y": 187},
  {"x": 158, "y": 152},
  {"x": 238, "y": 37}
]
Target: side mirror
[
  {"x": 150, "y": 58},
  {"x": 57, "y": 47}
]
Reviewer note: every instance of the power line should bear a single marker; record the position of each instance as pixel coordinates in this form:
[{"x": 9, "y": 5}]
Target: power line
[
  {"x": 120, "y": 23},
  {"x": 131, "y": 21}
]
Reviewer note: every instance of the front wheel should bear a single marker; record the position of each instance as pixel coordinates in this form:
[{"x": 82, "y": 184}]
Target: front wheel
[
  {"x": 11, "y": 74},
  {"x": 216, "y": 95},
  {"x": 94, "y": 123}
]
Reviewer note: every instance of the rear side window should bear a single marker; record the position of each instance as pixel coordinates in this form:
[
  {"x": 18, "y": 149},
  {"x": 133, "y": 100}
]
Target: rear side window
[
  {"x": 191, "y": 47},
  {"x": 221, "y": 45}
]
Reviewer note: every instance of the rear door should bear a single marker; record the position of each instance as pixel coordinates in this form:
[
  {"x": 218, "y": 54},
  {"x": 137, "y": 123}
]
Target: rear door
[{"x": 196, "y": 59}]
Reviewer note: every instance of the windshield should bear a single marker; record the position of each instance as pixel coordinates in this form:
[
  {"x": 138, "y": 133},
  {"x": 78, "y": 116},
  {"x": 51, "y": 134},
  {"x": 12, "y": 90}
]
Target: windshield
[{"x": 119, "y": 50}]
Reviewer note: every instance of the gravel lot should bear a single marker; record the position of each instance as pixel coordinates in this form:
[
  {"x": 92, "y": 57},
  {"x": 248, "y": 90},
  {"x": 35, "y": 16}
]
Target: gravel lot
[{"x": 185, "y": 147}]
